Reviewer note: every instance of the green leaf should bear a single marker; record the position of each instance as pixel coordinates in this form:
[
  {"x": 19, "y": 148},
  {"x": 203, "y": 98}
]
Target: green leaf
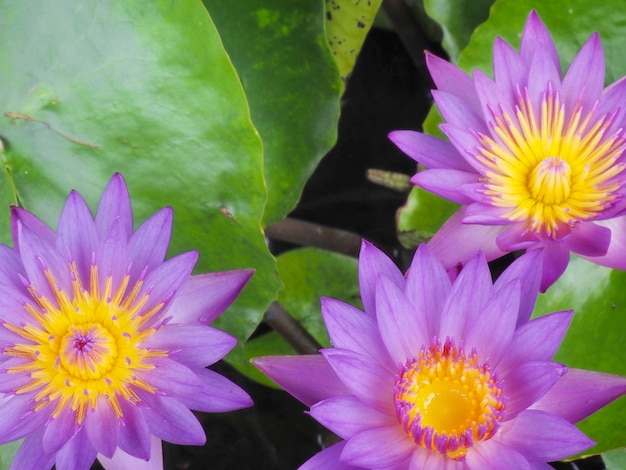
[
  {"x": 279, "y": 50},
  {"x": 421, "y": 216},
  {"x": 615, "y": 460},
  {"x": 307, "y": 274},
  {"x": 458, "y": 19},
  {"x": 7, "y": 453},
  {"x": 347, "y": 24},
  {"x": 595, "y": 339},
  {"x": 145, "y": 89}
]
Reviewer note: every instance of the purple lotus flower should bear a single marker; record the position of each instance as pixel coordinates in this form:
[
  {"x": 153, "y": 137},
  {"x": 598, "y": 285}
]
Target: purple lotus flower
[
  {"x": 439, "y": 375},
  {"x": 105, "y": 344},
  {"x": 536, "y": 160}
]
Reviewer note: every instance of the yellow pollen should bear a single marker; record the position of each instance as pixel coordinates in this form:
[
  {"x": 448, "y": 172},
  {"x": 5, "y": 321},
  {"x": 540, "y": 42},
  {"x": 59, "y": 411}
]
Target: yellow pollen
[
  {"x": 85, "y": 344},
  {"x": 446, "y": 400},
  {"x": 553, "y": 168}
]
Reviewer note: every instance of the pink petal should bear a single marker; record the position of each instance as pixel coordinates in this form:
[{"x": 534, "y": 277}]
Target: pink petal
[
  {"x": 445, "y": 183},
  {"x": 350, "y": 328},
  {"x": 542, "y": 436},
  {"x": 455, "y": 243},
  {"x": 114, "y": 205},
  {"x": 404, "y": 329},
  {"x": 428, "y": 150},
  {"x": 537, "y": 340},
  {"x": 123, "y": 461},
  {"x": 536, "y": 40},
  {"x": 469, "y": 293},
  {"x": 347, "y": 416},
  {"x": 372, "y": 384},
  {"x": 427, "y": 286},
  {"x": 383, "y": 446},
  {"x": 529, "y": 382},
  {"x": 529, "y": 268},
  {"x": 579, "y": 393},
  {"x": 218, "y": 394},
  {"x": 328, "y": 458},
  {"x": 308, "y": 378},
  {"x": 373, "y": 262},
  {"x": 204, "y": 297}
]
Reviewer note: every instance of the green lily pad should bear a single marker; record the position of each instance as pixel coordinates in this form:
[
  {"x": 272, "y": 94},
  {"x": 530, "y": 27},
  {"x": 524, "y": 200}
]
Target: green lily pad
[
  {"x": 278, "y": 48},
  {"x": 145, "y": 89},
  {"x": 596, "y": 337}
]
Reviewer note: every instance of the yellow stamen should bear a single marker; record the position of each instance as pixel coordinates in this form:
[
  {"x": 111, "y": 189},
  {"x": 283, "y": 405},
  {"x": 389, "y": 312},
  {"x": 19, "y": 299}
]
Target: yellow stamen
[
  {"x": 550, "y": 171},
  {"x": 85, "y": 346}
]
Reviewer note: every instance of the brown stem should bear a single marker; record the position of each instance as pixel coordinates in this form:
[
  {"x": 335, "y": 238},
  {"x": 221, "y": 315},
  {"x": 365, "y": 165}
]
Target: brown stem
[{"x": 290, "y": 329}]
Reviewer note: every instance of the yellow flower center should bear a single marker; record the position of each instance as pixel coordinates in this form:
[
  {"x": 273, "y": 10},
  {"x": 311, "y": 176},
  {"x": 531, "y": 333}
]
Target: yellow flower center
[
  {"x": 85, "y": 345},
  {"x": 446, "y": 400},
  {"x": 548, "y": 171}
]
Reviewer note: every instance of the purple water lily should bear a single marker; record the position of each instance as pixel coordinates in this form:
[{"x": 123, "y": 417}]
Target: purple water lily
[
  {"x": 535, "y": 160},
  {"x": 105, "y": 344},
  {"x": 439, "y": 375}
]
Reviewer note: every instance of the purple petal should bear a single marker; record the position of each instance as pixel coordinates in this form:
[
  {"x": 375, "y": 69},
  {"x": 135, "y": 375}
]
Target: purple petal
[
  {"x": 484, "y": 214},
  {"x": 528, "y": 268},
  {"x": 493, "y": 97},
  {"x": 134, "y": 433},
  {"x": 218, "y": 394},
  {"x": 445, "y": 183},
  {"x": 555, "y": 260},
  {"x": 529, "y": 382},
  {"x": 148, "y": 245},
  {"x": 171, "y": 378},
  {"x": 456, "y": 111},
  {"x": 403, "y": 329},
  {"x": 373, "y": 262},
  {"x": 102, "y": 427},
  {"x": 615, "y": 93},
  {"x": 30, "y": 455},
  {"x": 516, "y": 237},
  {"x": 493, "y": 455},
  {"x": 469, "y": 293},
  {"x": 18, "y": 418},
  {"x": 59, "y": 431},
  {"x": 489, "y": 329},
  {"x": 536, "y": 40},
  {"x": 378, "y": 447},
  {"x": 452, "y": 79},
  {"x": 543, "y": 74},
  {"x": 584, "y": 80},
  {"x": 350, "y": 328},
  {"x": 509, "y": 69},
  {"x": 77, "y": 453},
  {"x": 430, "y": 151},
  {"x": 328, "y": 458},
  {"x": 122, "y": 461},
  {"x": 26, "y": 219},
  {"x": 422, "y": 459},
  {"x": 589, "y": 239},
  {"x": 455, "y": 243},
  {"x": 537, "y": 340},
  {"x": 466, "y": 141},
  {"x": 11, "y": 269},
  {"x": 542, "y": 436},
  {"x": 372, "y": 384},
  {"x": 170, "y": 420},
  {"x": 192, "y": 345},
  {"x": 580, "y": 393},
  {"x": 204, "y": 297},
  {"x": 111, "y": 257},
  {"x": 427, "y": 286},
  {"x": 114, "y": 205},
  {"x": 308, "y": 378},
  {"x": 76, "y": 232},
  {"x": 347, "y": 416}
]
